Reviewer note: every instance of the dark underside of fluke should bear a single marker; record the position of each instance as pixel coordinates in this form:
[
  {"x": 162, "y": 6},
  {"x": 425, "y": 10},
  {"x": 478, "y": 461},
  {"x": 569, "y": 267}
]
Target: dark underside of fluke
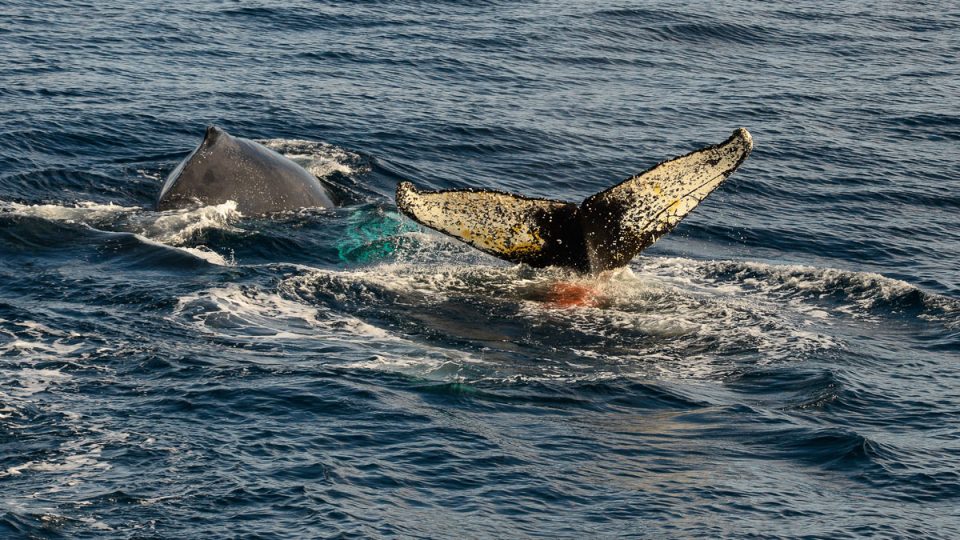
[{"x": 605, "y": 231}]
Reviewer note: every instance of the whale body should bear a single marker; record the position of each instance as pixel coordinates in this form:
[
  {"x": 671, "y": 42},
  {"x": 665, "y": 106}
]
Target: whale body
[
  {"x": 603, "y": 232},
  {"x": 227, "y": 168}
]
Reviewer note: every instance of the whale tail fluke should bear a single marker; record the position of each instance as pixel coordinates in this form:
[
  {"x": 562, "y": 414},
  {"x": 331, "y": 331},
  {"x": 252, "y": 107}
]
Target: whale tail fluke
[{"x": 605, "y": 231}]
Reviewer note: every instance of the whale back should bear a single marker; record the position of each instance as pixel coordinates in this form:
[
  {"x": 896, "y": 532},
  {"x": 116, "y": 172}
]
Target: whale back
[{"x": 227, "y": 168}]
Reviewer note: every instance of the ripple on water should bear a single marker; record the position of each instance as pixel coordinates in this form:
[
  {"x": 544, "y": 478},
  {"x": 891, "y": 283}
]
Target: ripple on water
[{"x": 784, "y": 361}]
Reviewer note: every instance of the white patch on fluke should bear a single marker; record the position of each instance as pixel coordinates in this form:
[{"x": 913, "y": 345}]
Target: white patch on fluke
[{"x": 498, "y": 223}]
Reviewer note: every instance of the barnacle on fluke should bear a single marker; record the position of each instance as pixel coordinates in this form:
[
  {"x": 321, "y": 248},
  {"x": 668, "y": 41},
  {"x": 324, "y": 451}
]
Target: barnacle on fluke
[{"x": 605, "y": 231}]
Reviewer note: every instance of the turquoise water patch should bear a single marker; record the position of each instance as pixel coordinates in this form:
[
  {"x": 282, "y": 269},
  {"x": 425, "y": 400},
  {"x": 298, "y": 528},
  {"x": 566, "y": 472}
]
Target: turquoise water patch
[{"x": 372, "y": 235}]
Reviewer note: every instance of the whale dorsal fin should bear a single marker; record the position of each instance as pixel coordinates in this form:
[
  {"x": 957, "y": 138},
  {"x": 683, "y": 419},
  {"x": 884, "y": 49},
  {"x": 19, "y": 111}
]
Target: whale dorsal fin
[
  {"x": 621, "y": 221},
  {"x": 519, "y": 229},
  {"x": 604, "y": 232}
]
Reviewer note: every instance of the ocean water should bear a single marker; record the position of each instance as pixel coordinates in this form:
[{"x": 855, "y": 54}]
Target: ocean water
[{"x": 785, "y": 364}]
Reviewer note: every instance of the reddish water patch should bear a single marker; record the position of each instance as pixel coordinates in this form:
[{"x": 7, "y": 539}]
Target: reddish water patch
[{"x": 568, "y": 295}]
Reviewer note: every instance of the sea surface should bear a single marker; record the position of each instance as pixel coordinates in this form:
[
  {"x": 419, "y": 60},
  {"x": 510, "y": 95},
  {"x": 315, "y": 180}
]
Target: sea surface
[{"x": 784, "y": 364}]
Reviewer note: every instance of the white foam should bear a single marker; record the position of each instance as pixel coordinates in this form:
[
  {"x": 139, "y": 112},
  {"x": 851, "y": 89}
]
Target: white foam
[
  {"x": 34, "y": 342},
  {"x": 251, "y": 315},
  {"x": 178, "y": 227},
  {"x": 320, "y": 158},
  {"x": 200, "y": 252},
  {"x": 258, "y": 315},
  {"x": 82, "y": 456},
  {"x": 820, "y": 293},
  {"x": 663, "y": 309},
  {"x": 83, "y": 211},
  {"x": 79, "y": 455},
  {"x": 34, "y": 381}
]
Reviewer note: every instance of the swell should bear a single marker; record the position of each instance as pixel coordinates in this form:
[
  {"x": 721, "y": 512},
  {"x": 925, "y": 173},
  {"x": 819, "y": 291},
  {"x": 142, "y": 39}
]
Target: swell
[
  {"x": 30, "y": 237},
  {"x": 867, "y": 291},
  {"x": 610, "y": 395},
  {"x": 781, "y": 418},
  {"x": 313, "y": 20},
  {"x": 899, "y": 474}
]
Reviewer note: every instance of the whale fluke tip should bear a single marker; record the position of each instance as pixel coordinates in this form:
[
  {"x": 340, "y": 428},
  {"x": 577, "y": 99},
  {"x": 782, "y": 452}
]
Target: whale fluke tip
[{"x": 742, "y": 133}]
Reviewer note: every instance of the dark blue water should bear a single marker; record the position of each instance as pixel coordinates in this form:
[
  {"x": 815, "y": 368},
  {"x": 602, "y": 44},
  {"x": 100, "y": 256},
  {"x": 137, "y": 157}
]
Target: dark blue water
[{"x": 786, "y": 363}]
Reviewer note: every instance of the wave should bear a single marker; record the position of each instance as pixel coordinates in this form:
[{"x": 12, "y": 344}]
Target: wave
[
  {"x": 664, "y": 317},
  {"x": 908, "y": 473},
  {"x": 40, "y": 365},
  {"x": 175, "y": 229},
  {"x": 640, "y": 324},
  {"x": 857, "y": 293}
]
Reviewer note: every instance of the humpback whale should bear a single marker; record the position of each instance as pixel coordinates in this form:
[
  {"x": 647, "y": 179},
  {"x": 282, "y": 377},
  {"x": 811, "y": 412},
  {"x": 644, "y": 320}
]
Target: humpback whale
[
  {"x": 227, "y": 168},
  {"x": 603, "y": 232}
]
